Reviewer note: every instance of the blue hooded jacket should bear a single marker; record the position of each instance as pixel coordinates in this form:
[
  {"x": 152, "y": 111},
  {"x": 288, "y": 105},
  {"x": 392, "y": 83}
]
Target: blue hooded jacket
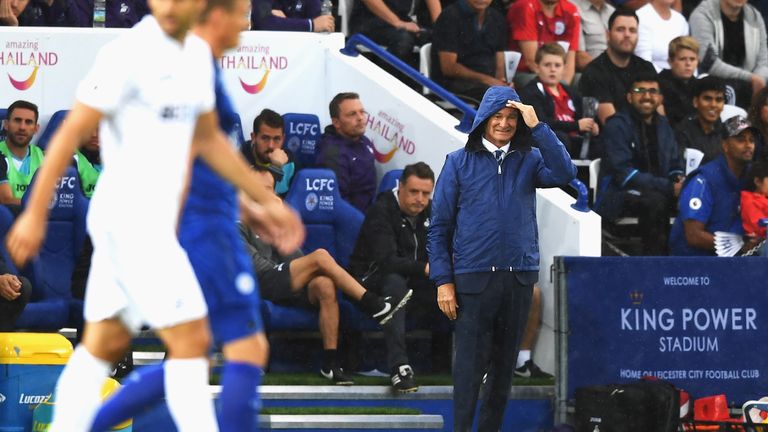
[{"x": 483, "y": 215}]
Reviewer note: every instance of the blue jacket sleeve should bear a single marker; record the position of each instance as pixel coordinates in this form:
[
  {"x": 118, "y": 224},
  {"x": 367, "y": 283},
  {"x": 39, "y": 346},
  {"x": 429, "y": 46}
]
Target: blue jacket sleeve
[
  {"x": 285, "y": 183},
  {"x": 619, "y": 139},
  {"x": 555, "y": 168},
  {"x": 442, "y": 225},
  {"x": 276, "y": 23}
]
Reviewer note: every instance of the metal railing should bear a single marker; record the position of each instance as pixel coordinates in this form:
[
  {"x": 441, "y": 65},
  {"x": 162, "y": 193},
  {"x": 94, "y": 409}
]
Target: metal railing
[
  {"x": 351, "y": 50},
  {"x": 582, "y": 202},
  {"x": 469, "y": 113}
]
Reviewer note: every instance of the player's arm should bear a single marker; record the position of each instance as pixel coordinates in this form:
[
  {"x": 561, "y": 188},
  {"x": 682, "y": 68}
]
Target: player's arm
[
  {"x": 26, "y": 235},
  {"x": 212, "y": 145}
]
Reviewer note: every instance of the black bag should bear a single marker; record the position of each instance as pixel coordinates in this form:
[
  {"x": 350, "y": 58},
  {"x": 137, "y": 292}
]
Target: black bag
[{"x": 644, "y": 406}]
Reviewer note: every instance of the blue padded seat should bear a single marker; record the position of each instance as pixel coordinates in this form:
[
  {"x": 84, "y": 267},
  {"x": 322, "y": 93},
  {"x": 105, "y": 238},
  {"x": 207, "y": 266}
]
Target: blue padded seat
[
  {"x": 331, "y": 222},
  {"x": 302, "y": 134},
  {"x": 52, "y": 305},
  {"x": 50, "y": 128},
  {"x": 389, "y": 180}
]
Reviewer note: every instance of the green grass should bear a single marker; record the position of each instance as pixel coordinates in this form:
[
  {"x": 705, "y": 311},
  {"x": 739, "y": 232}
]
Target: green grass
[{"x": 341, "y": 410}]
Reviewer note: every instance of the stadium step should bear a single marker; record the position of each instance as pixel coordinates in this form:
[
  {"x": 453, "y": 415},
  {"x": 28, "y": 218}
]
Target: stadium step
[{"x": 354, "y": 422}]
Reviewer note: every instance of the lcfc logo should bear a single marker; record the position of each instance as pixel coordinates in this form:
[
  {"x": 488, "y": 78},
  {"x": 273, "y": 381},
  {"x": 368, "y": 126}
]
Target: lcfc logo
[{"x": 310, "y": 202}]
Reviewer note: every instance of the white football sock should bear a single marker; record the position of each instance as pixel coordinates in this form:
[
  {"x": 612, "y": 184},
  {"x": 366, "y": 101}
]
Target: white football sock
[
  {"x": 187, "y": 394},
  {"x": 78, "y": 392},
  {"x": 522, "y": 357}
]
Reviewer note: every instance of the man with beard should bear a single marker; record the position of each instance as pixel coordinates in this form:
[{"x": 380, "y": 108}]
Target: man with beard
[
  {"x": 609, "y": 75},
  {"x": 267, "y": 141},
  {"x": 21, "y": 159},
  {"x": 709, "y": 200},
  {"x": 642, "y": 169}
]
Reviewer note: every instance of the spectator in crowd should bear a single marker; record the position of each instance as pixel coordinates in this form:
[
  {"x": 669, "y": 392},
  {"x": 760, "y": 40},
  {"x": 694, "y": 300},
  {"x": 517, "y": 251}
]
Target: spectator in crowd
[
  {"x": 525, "y": 367},
  {"x": 677, "y": 82},
  {"x": 608, "y": 77},
  {"x": 533, "y": 23},
  {"x": 15, "y": 292},
  {"x": 703, "y": 130},
  {"x": 483, "y": 254},
  {"x": 593, "y": 39},
  {"x": 21, "y": 159},
  {"x": 754, "y": 201},
  {"x": 388, "y": 23},
  {"x": 294, "y": 15},
  {"x": 87, "y": 160},
  {"x": 70, "y": 13},
  {"x": 555, "y": 103},
  {"x": 346, "y": 150},
  {"x": 267, "y": 141},
  {"x": 659, "y": 25},
  {"x": 734, "y": 32},
  {"x": 14, "y": 13},
  {"x": 468, "y": 49},
  {"x": 390, "y": 257},
  {"x": 642, "y": 168},
  {"x": 709, "y": 200},
  {"x": 118, "y": 13},
  {"x": 310, "y": 281},
  {"x": 758, "y": 117}
]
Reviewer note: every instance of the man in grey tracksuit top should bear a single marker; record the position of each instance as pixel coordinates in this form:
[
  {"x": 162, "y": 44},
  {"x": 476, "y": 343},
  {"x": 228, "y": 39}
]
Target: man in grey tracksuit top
[{"x": 708, "y": 28}]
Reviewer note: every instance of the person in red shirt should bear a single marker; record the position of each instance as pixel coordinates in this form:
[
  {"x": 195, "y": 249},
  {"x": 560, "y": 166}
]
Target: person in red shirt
[
  {"x": 754, "y": 204},
  {"x": 533, "y": 23},
  {"x": 556, "y": 103}
]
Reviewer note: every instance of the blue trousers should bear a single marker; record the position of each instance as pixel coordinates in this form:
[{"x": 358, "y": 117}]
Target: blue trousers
[{"x": 493, "y": 311}]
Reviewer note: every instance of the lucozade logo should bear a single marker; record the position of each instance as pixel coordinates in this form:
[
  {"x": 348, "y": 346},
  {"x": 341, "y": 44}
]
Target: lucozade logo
[{"x": 21, "y": 55}]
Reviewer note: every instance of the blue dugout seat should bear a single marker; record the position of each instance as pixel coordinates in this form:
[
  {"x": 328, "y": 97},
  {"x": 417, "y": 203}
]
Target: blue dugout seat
[
  {"x": 389, "y": 180},
  {"x": 245, "y": 143},
  {"x": 331, "y": 222},
  {"x": 302, "y": 135},
  {"x": 52, "y": 305},
  {"x": 50, "y": 128}
]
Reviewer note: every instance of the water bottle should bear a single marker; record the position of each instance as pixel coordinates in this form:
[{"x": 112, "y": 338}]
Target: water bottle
[
  {"x": 326, "y": 7},
  {"x": 99, "y": 13}
]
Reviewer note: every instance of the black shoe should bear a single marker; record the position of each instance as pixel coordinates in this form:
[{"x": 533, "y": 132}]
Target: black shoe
[
  {"x": 389, "y": 306},
  {"x": 402, "y": 379},
  {"x": 337, "y": 375},
  {"x": 123, "y": 367},
  {"x": 530, "y": 370}
]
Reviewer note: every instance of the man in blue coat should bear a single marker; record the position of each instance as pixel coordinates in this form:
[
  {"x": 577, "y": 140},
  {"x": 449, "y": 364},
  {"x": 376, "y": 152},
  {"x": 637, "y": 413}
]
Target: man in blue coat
[
  {"x": 483, "y": 245},
  {"x": 642, "y": 168}
]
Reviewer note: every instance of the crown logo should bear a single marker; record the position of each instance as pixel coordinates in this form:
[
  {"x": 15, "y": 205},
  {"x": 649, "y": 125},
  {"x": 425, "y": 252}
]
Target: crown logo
[{"x": 636, "y": 297}]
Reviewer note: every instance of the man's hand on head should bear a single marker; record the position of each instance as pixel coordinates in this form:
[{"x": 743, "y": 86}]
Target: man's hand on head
[{"x": 529, "y": 114}]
